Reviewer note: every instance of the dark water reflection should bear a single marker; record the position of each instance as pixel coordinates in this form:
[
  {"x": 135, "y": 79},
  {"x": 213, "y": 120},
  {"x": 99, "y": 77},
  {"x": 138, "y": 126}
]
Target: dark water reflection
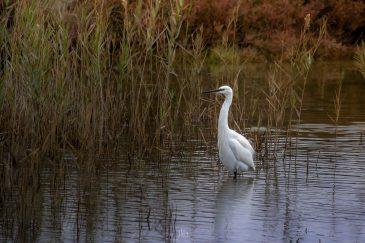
[{"x": 313, "y": 192}]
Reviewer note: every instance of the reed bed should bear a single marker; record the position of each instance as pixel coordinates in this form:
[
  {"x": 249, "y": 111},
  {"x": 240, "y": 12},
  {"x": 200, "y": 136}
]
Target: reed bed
[
  {"x": 91, "y": 75},
  {"x": 88, "y": 76}
]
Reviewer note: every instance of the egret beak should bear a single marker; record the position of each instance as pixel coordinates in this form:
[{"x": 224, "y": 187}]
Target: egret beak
[{"x": 212, "y": 91}]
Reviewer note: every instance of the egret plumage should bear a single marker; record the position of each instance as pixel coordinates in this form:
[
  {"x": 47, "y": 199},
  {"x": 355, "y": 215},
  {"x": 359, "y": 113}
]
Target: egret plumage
[{"x": 235, "y": 151}]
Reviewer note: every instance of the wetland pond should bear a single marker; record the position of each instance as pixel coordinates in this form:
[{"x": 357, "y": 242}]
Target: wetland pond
[{"x": 314, "y": 190}]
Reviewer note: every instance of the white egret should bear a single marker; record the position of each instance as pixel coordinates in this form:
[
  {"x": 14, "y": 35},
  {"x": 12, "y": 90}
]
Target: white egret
[{"x": 235, "y": 151}]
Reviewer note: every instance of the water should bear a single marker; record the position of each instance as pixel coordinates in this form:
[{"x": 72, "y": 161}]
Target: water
[{"x": 313, "y": 192}]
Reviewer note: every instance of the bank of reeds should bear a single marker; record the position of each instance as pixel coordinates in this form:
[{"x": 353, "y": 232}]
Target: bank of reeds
[
  {"x": 88, "y": 75},
  {"x": 92, "y": 74}
]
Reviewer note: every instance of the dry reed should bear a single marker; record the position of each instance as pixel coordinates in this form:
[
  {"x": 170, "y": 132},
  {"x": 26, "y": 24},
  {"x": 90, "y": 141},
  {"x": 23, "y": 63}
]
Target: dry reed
[
  {"x": 92, "y": 74},
  {"x": 359, "y": 59}
]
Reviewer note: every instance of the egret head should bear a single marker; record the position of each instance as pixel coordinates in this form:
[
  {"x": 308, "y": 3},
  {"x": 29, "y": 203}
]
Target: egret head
[{"x": 226, "y": 90}]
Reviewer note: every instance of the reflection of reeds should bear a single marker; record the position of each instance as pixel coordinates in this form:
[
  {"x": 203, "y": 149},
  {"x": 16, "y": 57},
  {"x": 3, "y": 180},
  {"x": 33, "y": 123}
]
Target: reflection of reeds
[{"x": 337, "y": 101}]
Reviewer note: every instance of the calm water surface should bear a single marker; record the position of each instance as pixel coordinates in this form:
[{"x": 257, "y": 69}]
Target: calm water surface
[{"x": 313, "y": 192}]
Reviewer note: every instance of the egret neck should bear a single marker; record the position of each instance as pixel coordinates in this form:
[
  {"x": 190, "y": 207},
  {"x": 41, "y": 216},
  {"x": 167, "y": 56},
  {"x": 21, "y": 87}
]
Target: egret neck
[{"x": 223, "y": 115}]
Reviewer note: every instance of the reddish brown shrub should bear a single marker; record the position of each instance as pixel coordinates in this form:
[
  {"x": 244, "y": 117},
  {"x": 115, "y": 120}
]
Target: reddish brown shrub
[{"x": 271, "y": 26}]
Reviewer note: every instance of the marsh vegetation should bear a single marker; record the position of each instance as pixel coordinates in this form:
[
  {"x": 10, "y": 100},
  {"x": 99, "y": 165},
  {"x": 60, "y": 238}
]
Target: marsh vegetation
[{"x": 87, "y": 76}]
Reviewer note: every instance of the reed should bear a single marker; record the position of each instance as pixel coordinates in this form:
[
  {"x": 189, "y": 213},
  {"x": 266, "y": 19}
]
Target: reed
[{"x": 359, "y": 59}]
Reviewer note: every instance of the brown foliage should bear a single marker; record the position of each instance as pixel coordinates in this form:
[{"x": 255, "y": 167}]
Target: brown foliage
[{"x": 271, "y": 26}]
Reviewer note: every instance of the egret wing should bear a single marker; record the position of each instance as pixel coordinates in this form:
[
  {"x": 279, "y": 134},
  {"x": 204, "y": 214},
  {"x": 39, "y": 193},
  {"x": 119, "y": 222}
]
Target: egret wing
[
  {"x": 243, "y": 141},
  {"x": 241, "y": 153}
]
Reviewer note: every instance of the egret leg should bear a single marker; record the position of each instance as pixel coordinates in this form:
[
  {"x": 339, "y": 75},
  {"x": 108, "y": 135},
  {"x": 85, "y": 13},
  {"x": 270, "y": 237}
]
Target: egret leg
[{"x": 235, "y": 174}]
